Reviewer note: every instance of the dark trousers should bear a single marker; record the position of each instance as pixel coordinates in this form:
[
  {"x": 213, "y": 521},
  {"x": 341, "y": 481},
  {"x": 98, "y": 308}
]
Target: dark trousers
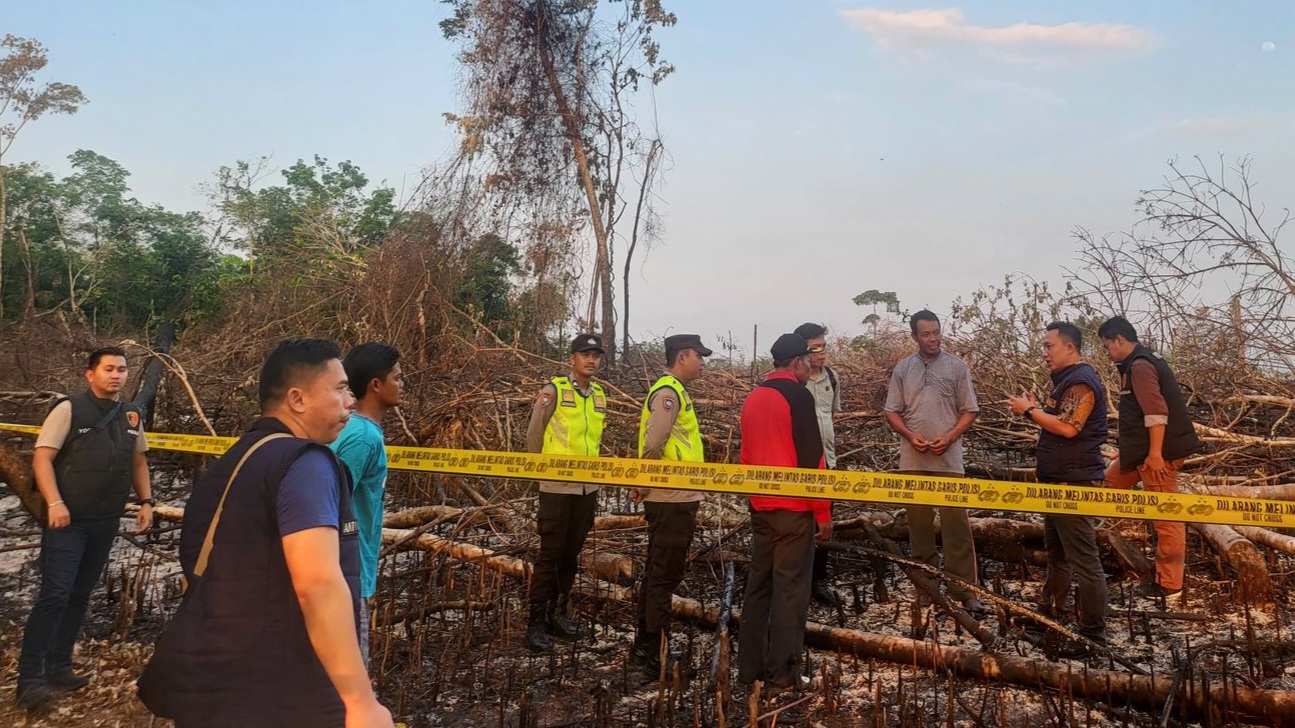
[
  {"x": 820, "y": 564},
  {"x": 563, "y": 522},
  {"x": 72, "y": 561},
  {"x": 670, "y": 527},
  {"x": 1071, "y": 542},
  {"x": 777, "y": 597}
]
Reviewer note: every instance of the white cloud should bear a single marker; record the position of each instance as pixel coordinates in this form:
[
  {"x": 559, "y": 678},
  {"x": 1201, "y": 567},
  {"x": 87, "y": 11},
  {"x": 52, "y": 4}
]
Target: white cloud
[{"x": 920, "y": 33}]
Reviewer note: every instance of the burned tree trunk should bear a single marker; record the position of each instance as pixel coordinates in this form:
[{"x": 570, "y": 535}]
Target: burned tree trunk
[{"x": 154, "y": 370}]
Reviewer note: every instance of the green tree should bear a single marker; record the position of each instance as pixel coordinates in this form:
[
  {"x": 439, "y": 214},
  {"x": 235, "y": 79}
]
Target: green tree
[
  {"x": 22, "y": 101},
  {"x": 873, "y": 297},
  {"x": 486, "y": 288},
  {"x": 318, "y": 205},
  {"x": 87, "y": 244}
]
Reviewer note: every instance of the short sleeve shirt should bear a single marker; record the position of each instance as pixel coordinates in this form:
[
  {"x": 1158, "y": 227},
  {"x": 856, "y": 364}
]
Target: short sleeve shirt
[
  {"x": 309, "y": 494},
  {"x": 361, "y": 449},
  {"x": 930, "y": 396},
  {"x": 1076, "y": 405}
]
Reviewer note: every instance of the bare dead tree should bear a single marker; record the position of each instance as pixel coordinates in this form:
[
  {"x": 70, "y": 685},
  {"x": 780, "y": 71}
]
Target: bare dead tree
[
  {"x": 1204, "y": 262},
  {"x": 546, "y": 126}
]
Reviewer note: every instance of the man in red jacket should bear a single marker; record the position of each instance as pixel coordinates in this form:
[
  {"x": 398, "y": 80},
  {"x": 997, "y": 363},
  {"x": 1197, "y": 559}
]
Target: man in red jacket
[{"x": 780, "y": 427}]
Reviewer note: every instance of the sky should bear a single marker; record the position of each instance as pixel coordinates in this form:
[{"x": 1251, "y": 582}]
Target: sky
[{"x": 818, "y": 148}]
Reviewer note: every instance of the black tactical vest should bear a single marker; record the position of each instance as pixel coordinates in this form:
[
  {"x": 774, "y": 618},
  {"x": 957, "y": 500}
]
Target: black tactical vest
[
  {"x": 1135, "y": 442},
  {"x": 248, "y": 660},
  {"x": 1074, "y": 459},
  {"x": 94, "y": 467}
]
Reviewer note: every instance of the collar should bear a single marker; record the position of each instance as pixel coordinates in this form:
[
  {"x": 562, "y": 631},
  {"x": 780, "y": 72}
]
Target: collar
[
  {"x": 1062, "y": 373},
  {"x": 924, "y": 360},
  {"x": 269, "y": 424},
  {"x": 776, "y": 374},
  {"x": 1138, "y": 352}
]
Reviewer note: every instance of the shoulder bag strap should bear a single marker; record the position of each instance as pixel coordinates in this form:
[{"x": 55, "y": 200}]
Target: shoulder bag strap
[{"x": 203, "y": 556}]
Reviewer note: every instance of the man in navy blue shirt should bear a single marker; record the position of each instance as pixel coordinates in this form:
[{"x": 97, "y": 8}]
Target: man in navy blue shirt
[{"x": 267, "y": 633}]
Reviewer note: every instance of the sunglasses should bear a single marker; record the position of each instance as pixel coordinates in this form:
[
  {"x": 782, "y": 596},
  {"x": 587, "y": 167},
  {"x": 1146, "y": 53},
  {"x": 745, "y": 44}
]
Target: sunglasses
[{"x": 817, "y": 349}]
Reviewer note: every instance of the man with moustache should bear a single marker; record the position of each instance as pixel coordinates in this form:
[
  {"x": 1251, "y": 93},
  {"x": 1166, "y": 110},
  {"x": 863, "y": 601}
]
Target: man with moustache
[{"x": 930, "y": 404}]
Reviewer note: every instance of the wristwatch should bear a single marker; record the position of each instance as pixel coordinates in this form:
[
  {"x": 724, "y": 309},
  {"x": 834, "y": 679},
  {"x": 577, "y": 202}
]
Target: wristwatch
[
  {"x": 146, "y": 502},
  {"x": 1028, "y": 410}
]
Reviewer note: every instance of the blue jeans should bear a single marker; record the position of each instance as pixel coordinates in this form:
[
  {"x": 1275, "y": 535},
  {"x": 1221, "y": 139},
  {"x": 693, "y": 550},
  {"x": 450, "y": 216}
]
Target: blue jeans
[{"x": 72, "y": 561}]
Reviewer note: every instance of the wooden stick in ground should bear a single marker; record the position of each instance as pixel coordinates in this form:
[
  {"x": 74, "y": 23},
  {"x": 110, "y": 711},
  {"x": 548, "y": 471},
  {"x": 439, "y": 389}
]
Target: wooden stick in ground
[
  {"x": 964, "y": 620},
  {"x": 1147, "y": 692},
  {"x": 1253, "y": 582}
]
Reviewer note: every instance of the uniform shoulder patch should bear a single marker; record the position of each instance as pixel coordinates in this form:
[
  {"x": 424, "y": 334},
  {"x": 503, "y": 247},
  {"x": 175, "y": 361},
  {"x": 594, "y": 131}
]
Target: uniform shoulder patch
[{"x": 132, "y": 419}]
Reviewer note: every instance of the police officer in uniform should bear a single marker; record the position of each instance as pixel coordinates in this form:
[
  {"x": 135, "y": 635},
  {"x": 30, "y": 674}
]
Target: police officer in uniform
[
  {"x": 566, "y": 419},
  {"x": 89, "y": 456},
  {"x": 668, "y": 431}
]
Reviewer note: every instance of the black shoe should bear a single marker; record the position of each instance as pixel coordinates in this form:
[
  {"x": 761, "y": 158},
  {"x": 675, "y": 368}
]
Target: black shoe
[
  {"x": 1153, "y": 590},
  {"x": 1073, "y": 648},
  {"x": 537, "y": 637},
  {"x": 652, "y": 665},
  {"x": 66, "y": 682},
  {"x": 824, "y": 594},
  {"x": 975, "y": 608},
  {"x": 34, "y": 695},
  {"x": 560, "y": 625},
  {"x": 644, "y": 644}
]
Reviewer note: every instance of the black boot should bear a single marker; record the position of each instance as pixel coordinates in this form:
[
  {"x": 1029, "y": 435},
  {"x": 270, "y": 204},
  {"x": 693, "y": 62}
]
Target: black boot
[
  {"x": 537, "y": 636},
  {"x": 643, "y": 645},
  {"x": 560, "y": 625}
]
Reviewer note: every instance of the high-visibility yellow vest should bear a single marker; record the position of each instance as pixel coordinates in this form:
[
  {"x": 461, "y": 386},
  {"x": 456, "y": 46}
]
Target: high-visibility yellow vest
[
  {"x": 576, "y": 427},
  {"x": 685, "y": 436}
]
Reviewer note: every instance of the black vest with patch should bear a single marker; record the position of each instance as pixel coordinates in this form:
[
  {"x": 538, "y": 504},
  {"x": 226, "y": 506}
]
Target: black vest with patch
[
  {"x": 1135, "y": 441},
  {"x": 1074, "y": 459},
  {"x": 248, "y": 661},
  {"x": 94, "y": 467}
]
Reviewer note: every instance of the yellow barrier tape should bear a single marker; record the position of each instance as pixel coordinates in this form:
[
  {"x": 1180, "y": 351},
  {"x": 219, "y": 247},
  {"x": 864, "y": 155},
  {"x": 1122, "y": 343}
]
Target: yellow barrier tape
[{"x": 841, "y": 485}]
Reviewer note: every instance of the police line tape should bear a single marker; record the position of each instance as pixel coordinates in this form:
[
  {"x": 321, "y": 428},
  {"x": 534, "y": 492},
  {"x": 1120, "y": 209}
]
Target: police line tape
[{"x": 840, "y": 485}]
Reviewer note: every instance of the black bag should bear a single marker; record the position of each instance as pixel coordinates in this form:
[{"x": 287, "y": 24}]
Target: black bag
[{"x": 159, "y": 685}]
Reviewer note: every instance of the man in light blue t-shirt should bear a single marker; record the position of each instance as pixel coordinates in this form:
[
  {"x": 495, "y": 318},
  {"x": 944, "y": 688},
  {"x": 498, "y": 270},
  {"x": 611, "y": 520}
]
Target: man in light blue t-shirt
[{"x": 373, "y": 370}]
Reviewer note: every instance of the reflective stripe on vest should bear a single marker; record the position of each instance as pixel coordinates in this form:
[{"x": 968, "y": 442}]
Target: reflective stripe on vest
[
  {"x": 685, "y": 443},
  {"x": 576, "y": 427}
]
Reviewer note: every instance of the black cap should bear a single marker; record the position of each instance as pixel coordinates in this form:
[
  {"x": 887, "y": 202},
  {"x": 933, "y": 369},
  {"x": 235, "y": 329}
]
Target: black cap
[
  {"x": 678, "y": 342},
  {"x": 789, "y": 346},
  {"x": 587, "y": 342}
]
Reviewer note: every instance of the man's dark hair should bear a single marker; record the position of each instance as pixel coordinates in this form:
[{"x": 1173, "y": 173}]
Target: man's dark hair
[
  {"x": 1068, "y": 332},
  {"x": 1117, "y": 326},
  {"x": 784, "y": 363},
  {"x": 92, "y": 362},
  {"x": 809, "y": 331},
  {"x": 287, "y": 364},
  {"x": 672, "y": 356},
  {"x": 923, "y": 315},
  {"x": 368, "y": 362}
]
